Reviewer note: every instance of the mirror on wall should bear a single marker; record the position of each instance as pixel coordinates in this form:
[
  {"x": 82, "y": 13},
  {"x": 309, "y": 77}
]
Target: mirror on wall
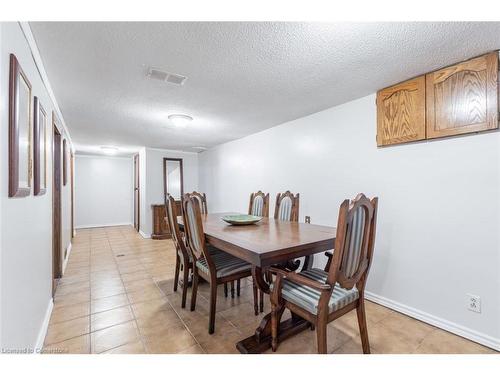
[{"x": 173, "y": 178}]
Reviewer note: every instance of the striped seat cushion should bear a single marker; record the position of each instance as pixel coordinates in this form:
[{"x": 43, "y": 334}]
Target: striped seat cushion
[
  {"x": 308, "y": 298},
  {"x": 225, "y": 264}
]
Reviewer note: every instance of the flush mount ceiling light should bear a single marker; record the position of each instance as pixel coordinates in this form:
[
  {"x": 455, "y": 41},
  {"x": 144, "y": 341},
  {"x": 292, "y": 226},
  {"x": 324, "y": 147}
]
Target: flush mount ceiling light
[
  {"x": 180, "y": 121},
  {"x": 109, "y": 150}
]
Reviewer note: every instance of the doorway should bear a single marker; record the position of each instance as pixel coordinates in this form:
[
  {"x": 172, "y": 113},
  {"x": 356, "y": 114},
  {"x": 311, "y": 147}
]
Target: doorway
[
  {"x": 56, "y": 207},
  {"x": 136, "y": 194}
]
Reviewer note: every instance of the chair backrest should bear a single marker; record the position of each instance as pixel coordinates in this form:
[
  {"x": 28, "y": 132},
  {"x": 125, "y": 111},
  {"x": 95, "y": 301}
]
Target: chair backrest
[
  {"x": 202, "y": 199},
  {"x": 172, "y": 214},
  {"x": 259, "y": 204},
  {"x": 193, "y": 228},
  {"x": 287, "y": 207},
  {"x": 354, "y": 243}
]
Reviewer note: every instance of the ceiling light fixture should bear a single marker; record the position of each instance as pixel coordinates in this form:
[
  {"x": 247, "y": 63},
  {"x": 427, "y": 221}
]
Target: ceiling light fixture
[
  {"x": 109, "y": 150},
  {"x": 180, "y": 121}
]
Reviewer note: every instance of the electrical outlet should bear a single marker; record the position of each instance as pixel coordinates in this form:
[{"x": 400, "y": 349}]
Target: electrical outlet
[
  {"x": 308, "y": 219},
  {"x": 474, "y": 303}
]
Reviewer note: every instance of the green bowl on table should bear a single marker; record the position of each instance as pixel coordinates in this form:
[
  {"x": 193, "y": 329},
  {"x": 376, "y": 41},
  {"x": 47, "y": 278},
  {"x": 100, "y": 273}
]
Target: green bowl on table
[{"x": 241, "y": 219}]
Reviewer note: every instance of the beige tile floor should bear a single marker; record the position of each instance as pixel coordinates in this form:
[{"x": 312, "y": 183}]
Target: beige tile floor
[{"x": 117, "y": 297}]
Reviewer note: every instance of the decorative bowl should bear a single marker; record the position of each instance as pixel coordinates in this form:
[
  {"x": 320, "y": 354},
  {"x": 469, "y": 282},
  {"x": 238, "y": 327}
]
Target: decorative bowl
[{"x": 241, "y": 219}]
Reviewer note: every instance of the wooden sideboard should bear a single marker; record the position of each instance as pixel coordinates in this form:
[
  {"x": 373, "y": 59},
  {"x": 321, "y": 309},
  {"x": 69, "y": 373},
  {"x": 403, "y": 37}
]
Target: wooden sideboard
[{"x": 161, "y": 230}]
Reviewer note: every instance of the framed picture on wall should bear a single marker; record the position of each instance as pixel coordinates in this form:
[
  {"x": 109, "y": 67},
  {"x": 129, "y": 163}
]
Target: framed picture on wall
[
  {"x": 19, "y": 131},
  {"x": 65, "y": 162},
  {"x": 39, "y": 148}
]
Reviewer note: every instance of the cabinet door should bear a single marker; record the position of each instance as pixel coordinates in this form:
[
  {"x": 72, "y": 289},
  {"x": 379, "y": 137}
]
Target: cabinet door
[
  {"x": 463, "y": 98},
  {"x": 401, "y": 112}
]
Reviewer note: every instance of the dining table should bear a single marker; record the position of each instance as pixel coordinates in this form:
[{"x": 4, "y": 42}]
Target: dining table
[{"x": 264, "y": 244}]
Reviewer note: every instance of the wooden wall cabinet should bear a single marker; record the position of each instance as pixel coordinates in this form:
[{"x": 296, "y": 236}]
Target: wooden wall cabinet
[
  {"x": 459, "y": 99},
  {"x": 401, "y": 112},
  {"x": 463, "y": 98}
]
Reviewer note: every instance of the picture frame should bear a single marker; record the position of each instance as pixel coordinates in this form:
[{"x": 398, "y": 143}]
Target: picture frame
[
  {"x": 40, "y": 148},
  {"x": 65, "y": 162},
  {"x": 20, "y": 110}
]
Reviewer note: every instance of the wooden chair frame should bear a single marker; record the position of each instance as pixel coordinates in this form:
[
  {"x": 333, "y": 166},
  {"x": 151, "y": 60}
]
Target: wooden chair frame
[
  {"x": 203, "y": 252},
  {"x": 294, "y": 216},
  {"x": 265, "y": 207},
  {"x": 203, "y": 199},
  {"x": 336, "y": 274},
  {"x": 204, "y": 210},
  {"x": 183, "y": 261}
]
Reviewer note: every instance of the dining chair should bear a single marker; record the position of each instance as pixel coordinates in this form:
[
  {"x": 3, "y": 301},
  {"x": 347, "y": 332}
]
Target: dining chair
[
  {"x": 259, "y": 204},
  {"x": 287, "y": 206},
  {"x": 320, "y": 296},
  {"x": 202, "y": 198},
  {"x": 183, "y": 259},
  {"x": 216, "y": 267}
]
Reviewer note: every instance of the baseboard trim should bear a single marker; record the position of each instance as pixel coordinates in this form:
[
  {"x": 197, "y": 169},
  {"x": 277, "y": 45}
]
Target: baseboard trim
[
  {"x": 144, "y": 235},
  {"x": 68, "y": 252},
  {"x": 87, "y": 226},
  {"x": 457, "y": 329},
  {"x": 43, "y": 330}
]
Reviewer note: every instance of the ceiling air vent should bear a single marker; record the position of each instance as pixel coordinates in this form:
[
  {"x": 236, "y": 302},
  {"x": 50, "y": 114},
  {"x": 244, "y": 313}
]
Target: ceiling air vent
[{"x": 159, "y": 75}]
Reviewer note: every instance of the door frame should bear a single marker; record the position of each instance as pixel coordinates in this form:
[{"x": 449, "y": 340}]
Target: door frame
[
  {"x": 72, "y": 187},
  {"x": 56, "y": 204},
  {"x": 137, "y": 200}
]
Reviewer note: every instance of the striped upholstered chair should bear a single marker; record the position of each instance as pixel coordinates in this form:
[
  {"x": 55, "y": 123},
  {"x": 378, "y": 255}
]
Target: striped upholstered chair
[
  {"x": 216, "y": 267},
  {"x": 320, "y": 296},
  {"x": 287, "y": 207},
  {"x": 202, "y": 200},
  {"x": 259, "y": 204},
  {"x": 183, "y": 257}
]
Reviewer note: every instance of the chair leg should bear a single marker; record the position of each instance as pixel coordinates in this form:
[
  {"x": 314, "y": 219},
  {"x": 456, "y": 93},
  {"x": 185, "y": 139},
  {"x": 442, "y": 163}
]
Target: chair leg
[
  {"x": 225, "y": 290},
  {"x": 185, "y": 281},
  {"x": 363, "y": 329},
  {"x": 255, "y": 300},
  {"x": 261, "y": 300},
  {"x": 213, "y": 304},
  {"x": 232, "y": 289},
  {"x": 321, "y": 336},
  {"x": 195, "y": 289},
  {"x": 238, "y": 285},
  {"x": 176, "y": 276}
]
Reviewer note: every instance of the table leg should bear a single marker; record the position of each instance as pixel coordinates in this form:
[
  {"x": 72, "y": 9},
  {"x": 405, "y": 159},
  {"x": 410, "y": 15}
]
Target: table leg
[{"x": 260, "y": 341}]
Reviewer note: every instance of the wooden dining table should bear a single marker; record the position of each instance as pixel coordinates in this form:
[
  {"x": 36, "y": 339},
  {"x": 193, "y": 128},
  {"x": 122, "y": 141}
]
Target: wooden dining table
[{"x": 266, "y": 243}]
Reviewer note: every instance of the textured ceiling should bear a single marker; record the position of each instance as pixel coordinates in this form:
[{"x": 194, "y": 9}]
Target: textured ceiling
[{"x": 242, "y": 77}]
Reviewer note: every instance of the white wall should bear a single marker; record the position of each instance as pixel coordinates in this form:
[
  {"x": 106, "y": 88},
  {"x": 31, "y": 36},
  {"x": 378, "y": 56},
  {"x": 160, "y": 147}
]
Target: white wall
[
  {"x": 438, "y": 222},
  {"x": 103, "y": 191},
  {"x": 25, "y": 223},
  {"x": 151, "y": 161}
]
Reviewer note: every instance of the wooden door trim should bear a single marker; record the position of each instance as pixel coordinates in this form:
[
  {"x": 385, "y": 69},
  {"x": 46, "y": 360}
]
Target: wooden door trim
[
  {"x": 56, "y": 204},
  {"x": 137, "y": 201}
]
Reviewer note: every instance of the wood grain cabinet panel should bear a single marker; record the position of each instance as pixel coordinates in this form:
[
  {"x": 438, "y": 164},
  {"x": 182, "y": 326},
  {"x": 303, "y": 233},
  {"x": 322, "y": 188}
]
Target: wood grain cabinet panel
[
  {"x": 463, "y": 98},
  {"x": 401, "y": 112}
]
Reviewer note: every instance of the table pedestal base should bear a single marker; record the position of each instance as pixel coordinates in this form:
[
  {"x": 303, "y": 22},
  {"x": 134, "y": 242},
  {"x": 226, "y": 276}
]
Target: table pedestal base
[{"x": 261, "y": 340}]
